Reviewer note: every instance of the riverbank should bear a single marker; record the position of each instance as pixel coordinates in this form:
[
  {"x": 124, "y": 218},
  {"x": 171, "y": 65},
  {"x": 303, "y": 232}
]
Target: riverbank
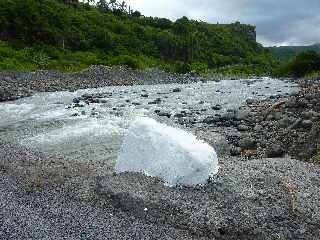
[
  {"x": 252, "y": 197},
  {"x": 42, "y": 196},
  {"x": 15, "y": 85},
  {"x": 275, "y": 127}
]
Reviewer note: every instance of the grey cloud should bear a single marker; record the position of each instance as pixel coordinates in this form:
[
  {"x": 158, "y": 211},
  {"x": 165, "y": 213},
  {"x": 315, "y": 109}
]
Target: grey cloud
[{"x": 279, "y": 22}]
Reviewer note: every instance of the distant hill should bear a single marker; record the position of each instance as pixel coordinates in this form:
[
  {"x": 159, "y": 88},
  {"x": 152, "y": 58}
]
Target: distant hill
[
  {"x": 288, "y": 52},
  {"x": 56, "y": 33}
]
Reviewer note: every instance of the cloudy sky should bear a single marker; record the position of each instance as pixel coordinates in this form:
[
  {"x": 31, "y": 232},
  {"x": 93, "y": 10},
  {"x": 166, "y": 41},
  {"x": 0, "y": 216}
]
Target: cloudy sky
[{"x": 279, "y": 22}]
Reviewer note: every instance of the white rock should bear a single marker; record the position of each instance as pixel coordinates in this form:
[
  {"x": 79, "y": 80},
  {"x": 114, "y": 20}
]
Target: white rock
[{"x": 174, "y": 155}]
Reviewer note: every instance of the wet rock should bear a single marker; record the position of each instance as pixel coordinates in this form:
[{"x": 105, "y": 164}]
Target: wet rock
[
  {"x": 76, "y": 100},
  {"x": 244, "y": 115},
  {"x": 164, "y": 114},
  {"x": 274, "y": 116},
  {"x": 211, "y": 119},
  {"x": 179, "y": 115},
  {"x": 136, "y": 104},
  {"x": 235, "y": 151},
  {"x": 247, "y": 143},
  {"x": 295, "y": 124},
  {"x": 186, "y": 121},
  {"x": 156, "y": 101},
  {"x": 243, "y": 128},
  {"x": 229, "y": 115},
  {"x": 233, "y": 134},
  {"x": 87, "y": 96},
  {"x": 251, "y": 101},
  {"x": 176, "y": 90},
  {"x": 216, "y": 107},
  {"x": 310, "y": 115},
  {"x": 306, "y": 124},
  {"x": 285, "y": 122},
  {"x": 144, "y": 95},
  {"x": 291, "y": 103},
  {"x": 274, "y": 151},
  {"x": 97, "y": 100},
  {"x": 7, "y": 79},
  {"x": 258, "y": 128},
  {"x": 302, "y": 103},
  {"x": 77, "y": 105}
]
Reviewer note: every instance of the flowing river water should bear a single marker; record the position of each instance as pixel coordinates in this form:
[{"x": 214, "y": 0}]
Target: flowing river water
[{"x": 52, "y": 123}]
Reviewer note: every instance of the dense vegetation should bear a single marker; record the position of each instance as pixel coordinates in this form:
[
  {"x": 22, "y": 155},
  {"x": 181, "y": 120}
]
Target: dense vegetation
[
  {"x": 68, "y": 35},
  {"x": 305, "y": 64},
  {"x": 289, "y": 52}
]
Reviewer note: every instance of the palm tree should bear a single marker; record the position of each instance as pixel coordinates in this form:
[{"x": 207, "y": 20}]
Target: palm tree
[
  {"x": 112, "y": 4},
  {"x": 123, "y": 6}
]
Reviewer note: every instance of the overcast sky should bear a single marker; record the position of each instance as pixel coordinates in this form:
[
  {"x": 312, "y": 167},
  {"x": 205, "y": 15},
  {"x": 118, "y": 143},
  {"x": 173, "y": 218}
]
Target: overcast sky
[{"x": 279, "y": 22}]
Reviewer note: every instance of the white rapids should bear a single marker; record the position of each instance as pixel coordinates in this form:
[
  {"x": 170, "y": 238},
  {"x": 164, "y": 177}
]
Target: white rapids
[{"x": 174, "y": 155}]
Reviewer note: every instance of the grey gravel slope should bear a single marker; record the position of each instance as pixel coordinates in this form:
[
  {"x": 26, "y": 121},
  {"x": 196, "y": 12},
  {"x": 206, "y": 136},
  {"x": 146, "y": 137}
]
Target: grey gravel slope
[
  {"x": 258, "y": 199},
  {"x": 51, "y": 215},
  {"x": 42, "y": 198}
]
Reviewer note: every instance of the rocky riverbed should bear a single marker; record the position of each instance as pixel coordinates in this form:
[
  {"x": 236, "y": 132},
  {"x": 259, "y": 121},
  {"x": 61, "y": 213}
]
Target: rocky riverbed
[
  {"x": 15, "y": 85},
  {"x": 275, "y": 127},
  {"x": 254, "y": 124}
]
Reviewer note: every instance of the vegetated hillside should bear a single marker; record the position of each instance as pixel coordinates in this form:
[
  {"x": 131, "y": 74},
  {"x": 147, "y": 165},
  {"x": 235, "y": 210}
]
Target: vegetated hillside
[
  {"x": 68, "y": 35},
  {"x": 289, "y": 52},
  {"x": 305, "y": 64}
]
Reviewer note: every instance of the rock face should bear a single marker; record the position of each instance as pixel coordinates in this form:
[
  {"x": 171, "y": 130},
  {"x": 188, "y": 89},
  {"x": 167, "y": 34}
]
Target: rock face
[{"x": 171, "y": 154}]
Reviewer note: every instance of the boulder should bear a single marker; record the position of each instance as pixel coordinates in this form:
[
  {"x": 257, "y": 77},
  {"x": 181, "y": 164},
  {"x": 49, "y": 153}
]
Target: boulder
[
  {"x": 216, "y": 107},
  {"x": 211, "y": 119},
  {"x": 306, "y": 124},
  {"x": 247, "y": 143},
  {"x": 235, "y": 151},
  {"x": 243, "y": 128},
  {"x": 164, "y": 114},
  {"x": 176, "y": 90},
  {"x": 274, "y": 151}
]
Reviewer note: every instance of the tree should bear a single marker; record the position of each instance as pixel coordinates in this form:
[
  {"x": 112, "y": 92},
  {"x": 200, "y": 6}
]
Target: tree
[
  {"x": 102, "y": 5},
  {"x": 123, "y": 7},
  {"x": 113, "y": 4},
  {"x": 181, "y": 26},
  {"x": 304, "y": 63},
  {"x": 136, "y": 14}
]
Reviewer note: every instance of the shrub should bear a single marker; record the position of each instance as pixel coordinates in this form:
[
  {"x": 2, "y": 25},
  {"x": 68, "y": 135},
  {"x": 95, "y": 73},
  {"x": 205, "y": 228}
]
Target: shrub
[
  {"x": 305, "y": 63},
  {"x": 40, "y": 58},
  {"x": 316, "y": 158},
  {"x": 126, "y": 60},
  {"x": 182, "y": 67},
  {"x": 314, "y": 74},
  {"x": 199, "y": 67}
]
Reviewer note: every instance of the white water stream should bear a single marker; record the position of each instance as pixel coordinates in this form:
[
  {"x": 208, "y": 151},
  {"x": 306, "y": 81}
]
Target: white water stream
[{"x": 44, "y": 121}]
